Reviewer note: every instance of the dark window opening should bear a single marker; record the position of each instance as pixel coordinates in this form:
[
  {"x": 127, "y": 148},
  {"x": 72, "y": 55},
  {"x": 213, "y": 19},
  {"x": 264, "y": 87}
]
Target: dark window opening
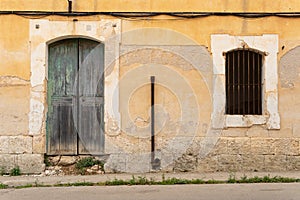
[{"x": 243, "y": 82}]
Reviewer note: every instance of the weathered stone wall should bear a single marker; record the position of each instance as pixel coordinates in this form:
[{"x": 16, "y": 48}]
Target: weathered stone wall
[
  {"x": 233, "y": 154},
  {"x": 182, "y": 75},
  {"x": 178, "y": 52},
  {"x": 253, "y": 148},
  {"x": 256, "y": 148}
]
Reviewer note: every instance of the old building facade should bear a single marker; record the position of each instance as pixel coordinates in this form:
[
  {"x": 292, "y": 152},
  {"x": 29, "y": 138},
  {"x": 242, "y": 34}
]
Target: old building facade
[{"x": 151, "y": 85}]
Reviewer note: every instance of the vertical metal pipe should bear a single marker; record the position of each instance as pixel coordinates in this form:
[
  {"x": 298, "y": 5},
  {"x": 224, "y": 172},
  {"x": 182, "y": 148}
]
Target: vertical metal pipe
[
  {"x": 243, "y": 83},
  {"x": 152, "y": 119},
  {"x": 233, "y": 85},
  {"x": 238, "y": 83},
  {"x": 248, "y": 84},
  {"x": 69, "y": 6},
  {"x": 253, "y": 82}
]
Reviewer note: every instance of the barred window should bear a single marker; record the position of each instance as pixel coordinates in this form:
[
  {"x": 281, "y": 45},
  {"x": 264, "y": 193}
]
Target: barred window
[{"x": 243, "y": 82}]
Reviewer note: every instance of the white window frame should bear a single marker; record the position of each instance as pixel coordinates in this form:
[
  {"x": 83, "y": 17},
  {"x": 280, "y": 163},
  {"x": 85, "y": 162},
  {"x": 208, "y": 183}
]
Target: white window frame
[{"x": 267, "y": 43}]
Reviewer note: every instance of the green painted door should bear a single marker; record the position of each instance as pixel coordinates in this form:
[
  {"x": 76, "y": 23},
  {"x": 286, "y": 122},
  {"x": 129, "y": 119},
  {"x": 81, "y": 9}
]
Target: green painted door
[{"x": 75, "y": 97}]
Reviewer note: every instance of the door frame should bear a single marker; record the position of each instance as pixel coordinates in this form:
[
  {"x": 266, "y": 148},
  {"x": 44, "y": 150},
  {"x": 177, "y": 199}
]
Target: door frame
[
  {"x": 92, "y": 135},
  {"x": 44, "y": 32}
]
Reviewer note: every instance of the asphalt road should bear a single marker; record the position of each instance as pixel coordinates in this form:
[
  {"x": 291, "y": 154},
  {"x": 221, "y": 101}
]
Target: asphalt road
[{"x": 288, "y": 191}]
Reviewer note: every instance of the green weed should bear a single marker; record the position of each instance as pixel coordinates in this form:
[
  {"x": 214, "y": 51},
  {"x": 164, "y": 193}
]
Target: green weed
[
  {"x": 46, "y": 161},
  {"x": 15, "y": 171},
  {"x": 84, "y": 163},
  {"x": 24, "y": 186},
  {"x": 74, "y": 184},
  {"x": 140, "y": 180},
  {"x": 265, "y": 179},
  {"x": 3, "y": 186}
]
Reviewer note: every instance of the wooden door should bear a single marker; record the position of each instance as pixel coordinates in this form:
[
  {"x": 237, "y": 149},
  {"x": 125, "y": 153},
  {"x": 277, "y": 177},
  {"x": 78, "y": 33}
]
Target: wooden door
[
  {"x": 91, "y": 101},
  {"x": 75, "y": 97}
]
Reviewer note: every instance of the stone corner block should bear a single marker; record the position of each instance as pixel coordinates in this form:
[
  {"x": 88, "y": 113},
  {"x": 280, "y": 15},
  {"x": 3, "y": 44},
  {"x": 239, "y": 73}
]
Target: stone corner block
[
  {"x": 38, "y": 145},
  {"x": 31, "y": 163},
  {"x": 20, "y": 144}
]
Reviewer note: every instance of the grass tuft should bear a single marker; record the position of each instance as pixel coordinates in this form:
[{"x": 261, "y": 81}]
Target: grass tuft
[
  {"x": 15, "y": 171},
  {"x": 140, "y": 180},
  {"x": 3, "y": 186},
  {"x": 74, "y": 184},
  {"x": 265, "y": 179},
  {"x": 84, "y": 163}
]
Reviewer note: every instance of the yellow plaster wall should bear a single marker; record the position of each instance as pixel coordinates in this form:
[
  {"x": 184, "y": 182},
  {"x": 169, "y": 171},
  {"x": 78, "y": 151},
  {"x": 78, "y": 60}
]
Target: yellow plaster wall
[
  {"x": 200, "y": 29},
  {"x": 14, "y": 46}
]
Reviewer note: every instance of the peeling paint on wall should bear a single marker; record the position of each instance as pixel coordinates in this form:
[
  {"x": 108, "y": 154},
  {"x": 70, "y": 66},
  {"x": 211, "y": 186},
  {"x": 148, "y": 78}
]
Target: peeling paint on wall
[
  {"x": 12, "y": 81},
  {"x": 290, "y": 68}
]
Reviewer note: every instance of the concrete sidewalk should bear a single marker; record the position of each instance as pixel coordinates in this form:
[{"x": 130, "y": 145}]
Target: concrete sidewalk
[{"x": 51, "y": 180}]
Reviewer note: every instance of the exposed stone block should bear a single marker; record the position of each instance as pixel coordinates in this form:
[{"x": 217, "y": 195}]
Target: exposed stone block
[
  {"x": 67, "y": 160},
  {"x": 275, "y": 162},
  {"x": 28, "y": 163},
  {"x": 31, "y": 163},
  {"x": 115, "y": 163},
  {"x": 239, "y": 146},
  {"x": 293, "y": 163},
  {"x": 230, "y": 163},
  {"x": 285, "y": 146},
  {"x": 4, "y": 144},
  {"x": 272, "y": 146},
  {"x": 261, "y": 146},
  {"x": 167, "y": 161},
  {"x": 138, "y": 162},
  {"x": 53, "y": 160},
  {"x": 186, "y": 163},
  {"x": 253, "y": 162},
  {"x": 20, "y": 144},
  {"x": 38, "y": 144},
  {"x": 134, "y": 167},
  {"x": 7, "y": 162},
  {"x": 278, "y": 146},
  {"x": 220, "y": 147},
  {"x": 208, "y": 164},
  {"x": 115, "y": 167}
]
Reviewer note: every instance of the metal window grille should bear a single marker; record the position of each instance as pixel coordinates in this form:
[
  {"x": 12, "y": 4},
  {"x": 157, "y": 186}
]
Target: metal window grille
[{"x": 243, "y": 82}]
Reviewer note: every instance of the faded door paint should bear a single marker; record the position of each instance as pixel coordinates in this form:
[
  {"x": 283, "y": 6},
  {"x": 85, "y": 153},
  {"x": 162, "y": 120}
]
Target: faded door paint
[
  {"x": 62, "y": 70},
  {"x": 75, "y": 97},
  {"x": 91, "y": 91}
]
